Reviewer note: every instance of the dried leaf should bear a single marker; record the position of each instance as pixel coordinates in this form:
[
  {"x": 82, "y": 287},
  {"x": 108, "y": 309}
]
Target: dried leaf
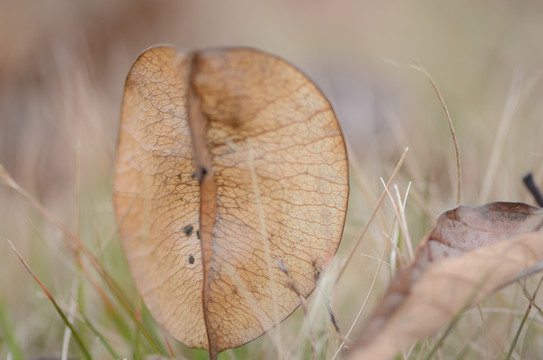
[
  {"x": 471, "y": 253},
  {"x": 228, "y": 160}
]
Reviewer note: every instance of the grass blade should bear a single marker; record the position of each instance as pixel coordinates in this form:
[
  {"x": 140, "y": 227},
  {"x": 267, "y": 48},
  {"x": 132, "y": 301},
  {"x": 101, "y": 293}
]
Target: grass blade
[
  {"x": 100, "y": 337},
  {"x": 82, "y": 346},
  {"x": 76, "y": 246},
  {"x": 9, "y": 337}
]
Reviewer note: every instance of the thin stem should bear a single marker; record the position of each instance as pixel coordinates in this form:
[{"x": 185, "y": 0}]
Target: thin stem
[
  {"x": 372, "y": 216},
  {"x": 418, "y": 67},
  {"x": 524, "y": 318}
]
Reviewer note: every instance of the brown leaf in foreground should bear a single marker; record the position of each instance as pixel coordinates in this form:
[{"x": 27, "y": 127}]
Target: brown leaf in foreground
[
  {"x": 228, "y": 161},
  {"x": 471, "y": 253}
]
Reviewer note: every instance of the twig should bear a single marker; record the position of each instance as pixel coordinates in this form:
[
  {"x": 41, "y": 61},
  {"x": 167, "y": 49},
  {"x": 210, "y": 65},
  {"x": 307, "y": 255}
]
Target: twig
[{"x": 532, "y": 187}]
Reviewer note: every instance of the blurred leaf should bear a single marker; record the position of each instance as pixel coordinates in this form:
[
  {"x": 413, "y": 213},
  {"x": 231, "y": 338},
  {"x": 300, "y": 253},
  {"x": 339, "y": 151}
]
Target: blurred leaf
[
  {"x": 471, "y": 253},
  {"x": 229, "y": 160}
]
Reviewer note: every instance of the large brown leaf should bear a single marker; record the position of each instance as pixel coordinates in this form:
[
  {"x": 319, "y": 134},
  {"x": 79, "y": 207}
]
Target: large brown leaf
[
  {"x": 471, "y": 253},
  {"x": 229, "y": 160}
]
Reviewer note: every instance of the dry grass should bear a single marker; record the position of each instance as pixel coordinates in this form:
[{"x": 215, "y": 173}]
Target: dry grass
[{"x": 62, "y": 75}]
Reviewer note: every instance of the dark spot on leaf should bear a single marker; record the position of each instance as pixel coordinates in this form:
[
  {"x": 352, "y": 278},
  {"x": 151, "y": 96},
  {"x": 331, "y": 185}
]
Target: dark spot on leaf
[
  {"x": 188, "y": 230},
  {"x": 198, "y": 234},
  {"x": 191, "y": 259},
  {"x": 317, "y": 269},
  {"x": 200, "y": 173}
]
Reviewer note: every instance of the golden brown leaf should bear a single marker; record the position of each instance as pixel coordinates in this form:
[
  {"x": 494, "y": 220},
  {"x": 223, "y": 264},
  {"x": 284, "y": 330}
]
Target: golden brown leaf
[
  {"x": 228, "y": 160},
  {"x": 471, "y": 253}
]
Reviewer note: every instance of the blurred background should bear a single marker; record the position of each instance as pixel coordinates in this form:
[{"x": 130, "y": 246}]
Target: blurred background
[{"x": 62, "y": 71}]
